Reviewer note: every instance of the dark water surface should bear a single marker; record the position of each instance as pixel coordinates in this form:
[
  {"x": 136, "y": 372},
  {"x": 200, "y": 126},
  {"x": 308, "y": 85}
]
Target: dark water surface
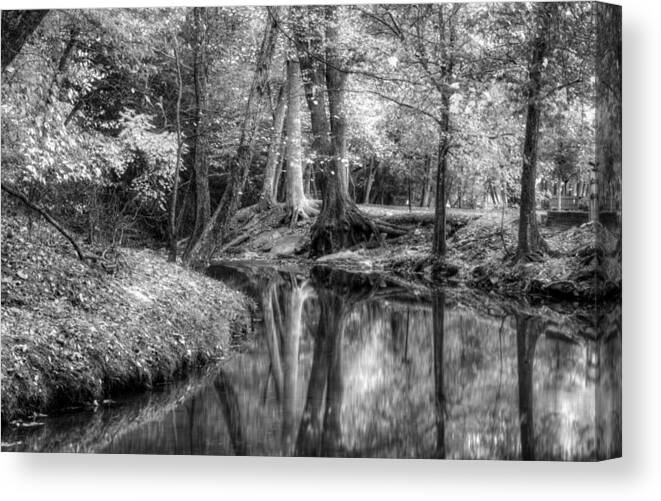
[{"x": 365, "y": 370}]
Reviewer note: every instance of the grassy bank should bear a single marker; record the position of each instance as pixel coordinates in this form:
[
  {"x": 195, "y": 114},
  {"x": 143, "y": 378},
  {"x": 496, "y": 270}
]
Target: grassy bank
[{"x": 73, "y": 335}]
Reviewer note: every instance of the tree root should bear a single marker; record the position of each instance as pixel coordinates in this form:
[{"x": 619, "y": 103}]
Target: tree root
[
  {"x": 305, "y": 210},
  {"x": 332, "y": 233}
]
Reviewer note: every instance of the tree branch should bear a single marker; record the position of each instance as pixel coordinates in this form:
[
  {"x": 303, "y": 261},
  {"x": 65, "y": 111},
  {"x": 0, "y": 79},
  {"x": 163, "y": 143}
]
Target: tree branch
[{"x": 15, "y": 193}]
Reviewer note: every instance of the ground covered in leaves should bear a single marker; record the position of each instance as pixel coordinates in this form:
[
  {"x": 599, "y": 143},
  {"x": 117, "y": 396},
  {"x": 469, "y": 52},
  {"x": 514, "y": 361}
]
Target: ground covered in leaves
[
  {"x": 74, "y": 334},
  {"x": 582, "y": 265}
]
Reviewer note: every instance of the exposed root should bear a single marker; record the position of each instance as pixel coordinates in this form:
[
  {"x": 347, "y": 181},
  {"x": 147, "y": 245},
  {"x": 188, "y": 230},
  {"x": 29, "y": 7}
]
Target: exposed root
[
  {"x": 305, "y": 210},
  {"x": 528, "y": 257},
  {"x": 333, "y": 233}
]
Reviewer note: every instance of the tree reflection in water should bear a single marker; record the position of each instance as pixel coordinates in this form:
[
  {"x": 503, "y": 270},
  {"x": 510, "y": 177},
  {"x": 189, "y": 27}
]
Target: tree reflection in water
[
  {"x": 527, "y": 333},
  {"x": 438, "y": 312},
  {"x": 345, "y": 369}
]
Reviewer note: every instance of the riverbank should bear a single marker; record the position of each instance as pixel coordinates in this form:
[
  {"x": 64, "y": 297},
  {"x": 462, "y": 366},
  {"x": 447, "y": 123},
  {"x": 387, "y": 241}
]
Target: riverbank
[
  {"x": 74, "y": 335},
  {"x": 581, "y": 265}
]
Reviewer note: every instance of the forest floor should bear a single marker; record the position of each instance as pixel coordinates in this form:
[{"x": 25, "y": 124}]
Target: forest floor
[
  {"x": 581, "y": 266},
  {"x": 74, "y": 335}
]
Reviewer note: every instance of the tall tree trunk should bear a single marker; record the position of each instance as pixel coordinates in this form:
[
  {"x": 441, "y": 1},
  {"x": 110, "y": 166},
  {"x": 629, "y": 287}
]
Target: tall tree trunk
[
  {"x": 172, "y": 230},
  {"x": 340, "y": 224},
  {"x": 427, "y": 186},
  {"x": 17, "y": 26},
  {"x": 447, "y": 35},
  {"x": 272, "y": 162},
  {"x": 297, "y": 203},
  {"x": 439, "y": 245},
  {"x": 202, "y": 248},
  {"x": 608, "y": 100},
  {"x": 308, "y": 44},
  {"x": 279, "y": 188},
  {"x": 200, "y": 166},
  {"x": 370, "y": 180},
  {"x": 530, "y": 241}
]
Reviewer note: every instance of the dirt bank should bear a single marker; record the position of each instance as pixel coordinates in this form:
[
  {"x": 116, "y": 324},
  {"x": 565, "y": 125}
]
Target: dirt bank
[
  {"x": 74, "y": 335},
  {"x": 582, "y": 264}
]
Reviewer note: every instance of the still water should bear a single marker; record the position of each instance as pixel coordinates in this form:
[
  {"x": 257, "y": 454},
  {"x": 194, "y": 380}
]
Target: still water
[{"x": 360, "y": 369}]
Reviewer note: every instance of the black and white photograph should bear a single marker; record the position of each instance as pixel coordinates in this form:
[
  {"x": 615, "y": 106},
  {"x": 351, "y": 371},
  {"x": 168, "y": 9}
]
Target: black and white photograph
[{"x": 351, "y": 231}]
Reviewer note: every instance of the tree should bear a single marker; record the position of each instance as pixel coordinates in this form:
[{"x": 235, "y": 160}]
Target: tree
[
  {"x": 199, "y": 148},
  {"x": 325, "y": 68},
  {"x": 269, "y": 187},
  {"x": 609, "y": 101},
  {"x": 180, "y": 145},
  {"x": 425, "y": 40},
  {"x": 340, "y": 224},
  {"x": 297, "y": 203},
  {"x": 530, "y": 242},
  {"x": 203, "y": 246}
]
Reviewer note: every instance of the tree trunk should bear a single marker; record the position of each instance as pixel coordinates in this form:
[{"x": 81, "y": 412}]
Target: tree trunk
[
  {"x": 17, "y": 26},
  {"x": 297, "y": 204},
  {"x": 269, "y": 190},
  {"x": 175, "y": 188},
  {"x": 427, "y": 183},
  {"x": 202, "y": 247},
  {"x": 310, "y": 56},
  {"x": 279, "y": 188},
  {"x": 439, "y": 245},
  {"x": 200, "y": 166},
  {"x": 608, "y": 100},
  {"x": 370, "y": 180},
  {"x": 530, "y": 241},
  {"x": 340, "y": 224}
]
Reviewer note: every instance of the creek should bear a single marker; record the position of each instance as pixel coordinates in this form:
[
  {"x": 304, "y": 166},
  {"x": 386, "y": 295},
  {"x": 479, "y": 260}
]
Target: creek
[{"x": 344, "y": 365}]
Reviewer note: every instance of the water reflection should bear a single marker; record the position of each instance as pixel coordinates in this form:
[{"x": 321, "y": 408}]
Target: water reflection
[{"x": 339, "y": 369}]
